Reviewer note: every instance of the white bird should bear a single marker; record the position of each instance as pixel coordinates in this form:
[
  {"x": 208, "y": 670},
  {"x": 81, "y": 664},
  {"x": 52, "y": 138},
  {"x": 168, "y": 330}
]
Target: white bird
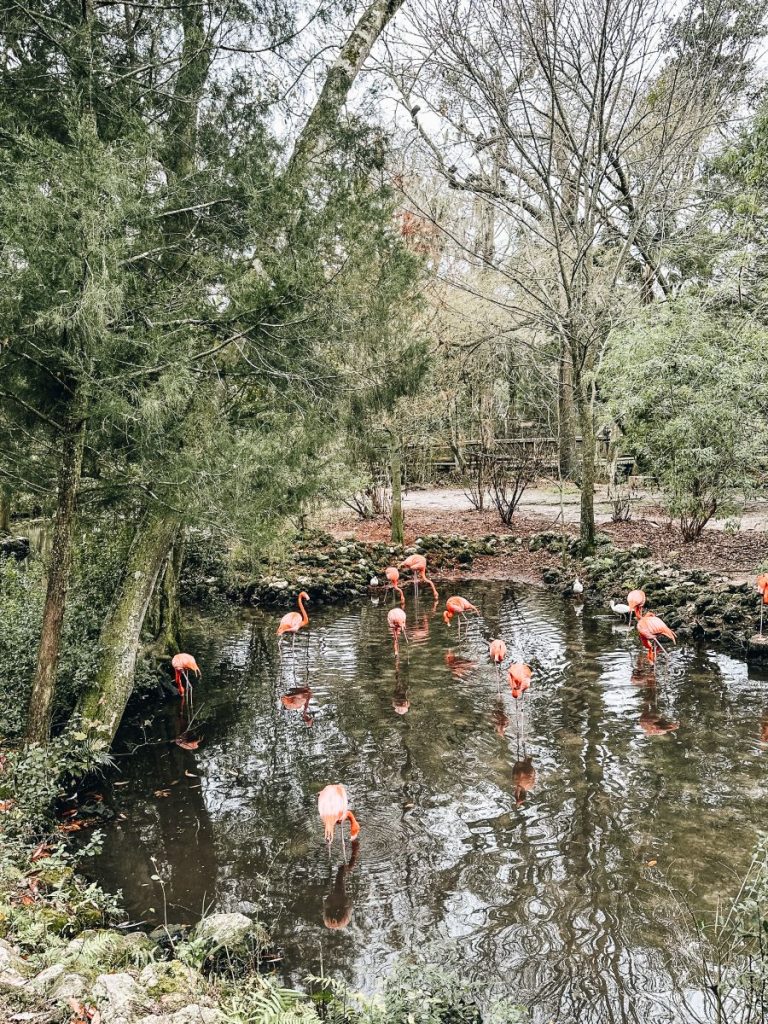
[
  {"x": 578, "y": 586},
  {"x": 620, "y": 609},
  {"x": 374, "y": 581}
]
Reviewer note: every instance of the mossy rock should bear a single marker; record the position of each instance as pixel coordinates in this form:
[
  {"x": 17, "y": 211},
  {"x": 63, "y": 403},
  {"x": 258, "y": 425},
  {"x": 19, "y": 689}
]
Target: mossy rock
[{"x": 54, "y": 875}]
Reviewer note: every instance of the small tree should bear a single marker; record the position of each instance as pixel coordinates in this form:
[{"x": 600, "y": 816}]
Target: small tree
[
  {"x": 510, "y": 475},
  {"x": 688, "y": 384}
]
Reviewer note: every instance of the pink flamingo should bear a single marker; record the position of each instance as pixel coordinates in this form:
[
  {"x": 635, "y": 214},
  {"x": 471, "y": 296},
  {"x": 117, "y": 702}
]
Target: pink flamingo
[
  {"x": 396, "y": 621},
  {"x": 636, "y": 602},
  {"x": 394, "y": 579},
  {"x": 418, "y": 566},
  {"x": 762, "y": 586},
  {"x": 457, "y": 606},
  {"x": 498, "y": 652},
  {"x": 292, "y": 622},
  {"x": 333, "y": 807},
  {"x": 649, "y": 628},
  {"x": 519, "y": 677},
  {"x": 182, "y": 664}
]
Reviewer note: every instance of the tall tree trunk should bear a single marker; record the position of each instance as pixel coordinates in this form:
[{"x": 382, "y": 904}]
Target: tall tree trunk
[
  {"x": 103, "y": 704},
  {"x": 43, "y": 686},
  {"x": 397, "y": 495},
  {"x": 339, "y": 81},
  {"x": 565, "y": 412},
  {"x": 168, "y": 620},
  {"x": 588, "y": 462},
  {"x": 6, "y": 499}
]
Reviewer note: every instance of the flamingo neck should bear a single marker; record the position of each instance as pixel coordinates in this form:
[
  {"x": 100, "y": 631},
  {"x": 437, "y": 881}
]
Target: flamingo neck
[{"x": 302, "y": 609}]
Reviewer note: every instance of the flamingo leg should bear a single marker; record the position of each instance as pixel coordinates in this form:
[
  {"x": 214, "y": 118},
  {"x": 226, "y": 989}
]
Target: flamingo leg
[{"x": 762, "y": 607}]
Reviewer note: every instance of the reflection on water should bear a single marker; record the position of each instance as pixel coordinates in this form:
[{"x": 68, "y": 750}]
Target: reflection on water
[{"x": 516, "y": 848}]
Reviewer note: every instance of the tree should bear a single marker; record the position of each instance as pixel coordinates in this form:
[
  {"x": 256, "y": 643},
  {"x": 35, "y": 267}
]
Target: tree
[
  {"x": 584, "y": 135},
  {"x": 690, "y": 386}
]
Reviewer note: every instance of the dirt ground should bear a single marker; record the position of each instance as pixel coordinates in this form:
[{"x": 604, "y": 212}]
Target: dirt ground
[{"x": 732, "y": 550}]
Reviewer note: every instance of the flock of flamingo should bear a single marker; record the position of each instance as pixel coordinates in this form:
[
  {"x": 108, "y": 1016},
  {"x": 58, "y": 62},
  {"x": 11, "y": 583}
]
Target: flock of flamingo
[{"x": 333, "y": 801}]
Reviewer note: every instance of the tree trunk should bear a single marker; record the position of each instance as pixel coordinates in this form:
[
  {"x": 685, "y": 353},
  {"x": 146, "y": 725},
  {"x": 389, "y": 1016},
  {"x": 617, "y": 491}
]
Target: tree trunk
[
  {"x": 6, "y": 498},
  {"x": 168, "y": 625},
  {"x": 44, "y": 684},
  {"x": 397, "y": 496},
  {"x": 588, "y": 464},
  {"x": 339, "y": 81},
  {"x": 565, "y": 411},
  {"x": 102, "y": 706}
]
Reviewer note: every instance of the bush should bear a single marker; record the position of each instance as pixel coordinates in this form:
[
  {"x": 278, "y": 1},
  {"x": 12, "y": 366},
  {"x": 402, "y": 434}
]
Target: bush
[
  {"x": 21, "y": 604},
  {"x": 689, "y": 385}
]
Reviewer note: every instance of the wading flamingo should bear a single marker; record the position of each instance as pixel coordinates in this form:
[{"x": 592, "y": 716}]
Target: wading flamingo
[
  {"x": 293, "y": 621},
  {"x": 649, "y": 628},
  {"x": 762, "y": 586},
  {"x": 418, "y": 566},
  {"x": 182, "y": 664},
  {"x": 519, "y": 677},
  {"x": 620, "y": 609},
  {"x": 396, "y": 621},
  {"x": 498, "y": 652},
  {"x": 394, "y": 579},
  {"x": 636, "y": 602},
  {"x": 457, "y": 606},
  {"x": 333, "y": 807}
]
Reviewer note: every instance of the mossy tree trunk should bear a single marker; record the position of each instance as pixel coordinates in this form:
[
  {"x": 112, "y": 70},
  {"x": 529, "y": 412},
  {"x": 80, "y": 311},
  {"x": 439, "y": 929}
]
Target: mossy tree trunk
[
  {"x": 103, "y": 704},
  {"x": 167, "y": 607},
  {"x": 44, "y": 683},
  {"x": 6, "y": 500},
  {"x": 395, "y": 469}
]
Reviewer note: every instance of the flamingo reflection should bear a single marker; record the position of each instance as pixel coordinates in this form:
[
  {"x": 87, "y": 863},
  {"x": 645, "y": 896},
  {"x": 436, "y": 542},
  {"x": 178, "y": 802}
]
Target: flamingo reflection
[
  {"x": 337, "y": 905},
  {"x": 400, "y": 702},
  {"x": 297, "y": 699},
  {"x": 524, "y": 777},
  {"x": 460, "y": 667},
  {"x": 500, "y": 717},
  {"x": 651, "y": 721}
]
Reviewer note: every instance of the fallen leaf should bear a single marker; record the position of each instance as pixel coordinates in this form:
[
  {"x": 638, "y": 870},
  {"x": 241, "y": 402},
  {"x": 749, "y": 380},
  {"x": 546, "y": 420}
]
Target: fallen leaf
[
  {"x": 96, "y": 797},
  {"x": 162, "y": 792},
  {"x": 69, "y": 813},
  {"x": 191, "y": 775},
  {"x": 6, "y": 805},
  {"x": 43, "y": 850},
  {"x": 187, "y": 744},
  {"x": 651, "y": 863},
  {"x": 125, "y": 783},
  {"x": 27, "y": 900}
]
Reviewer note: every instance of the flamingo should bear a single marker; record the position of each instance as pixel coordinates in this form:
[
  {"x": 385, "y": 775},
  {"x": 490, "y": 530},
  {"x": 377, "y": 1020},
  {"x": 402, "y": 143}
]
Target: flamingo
[
  {"x": 498, "y": 652},
  {"x": 394, "y": 579},
  {"x": 182, "y": 664},
  {"x": 333, "y": 807},
  {"x": 636, "y": 602},
  {"x": 457, "y": 606},
  {"x": 620, "y": 609},
  {"x": 418, "y": 566},
  {"x": 396, "y": 620},
  {"x": 519, "y": 677},
  {"x": 649, "y": 628},
  {"x": 762, "y": 586},
  {"x": 293, "y": 621}
]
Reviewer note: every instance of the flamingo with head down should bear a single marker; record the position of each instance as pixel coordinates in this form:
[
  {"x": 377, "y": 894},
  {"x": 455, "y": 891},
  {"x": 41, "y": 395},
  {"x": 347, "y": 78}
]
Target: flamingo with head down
[
  {"x": 333, "y": 807},
  {"x": 649, "y": 628},
  {"x": 457, "y": 606},
  {"x": 418, "y": 566},
  {"x": 394, "y": 580},
  {"x": 636, "y": 603},
  {"x": 396, "y": 621},
  {"x": 183, "y": 664}
]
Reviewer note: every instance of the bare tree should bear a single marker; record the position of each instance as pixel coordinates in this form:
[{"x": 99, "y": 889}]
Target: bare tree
[{"x": 581, "y": 124}]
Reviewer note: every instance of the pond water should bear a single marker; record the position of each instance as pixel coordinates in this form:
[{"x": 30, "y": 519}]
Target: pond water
[{"x": 556, "y": 890}]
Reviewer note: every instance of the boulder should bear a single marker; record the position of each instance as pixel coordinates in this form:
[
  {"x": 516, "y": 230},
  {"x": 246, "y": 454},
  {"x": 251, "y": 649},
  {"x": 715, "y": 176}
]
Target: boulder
[
  {"x": 14, "y": 547},
  {"x": 118, "y": 998},
  {"x": 47, "y": 978},
  {"x": 11, "y": 980},
  {"x": 230, "y": 931},
  {"x": 68, "y": 986},
  {"x": 170, "y": 978}
]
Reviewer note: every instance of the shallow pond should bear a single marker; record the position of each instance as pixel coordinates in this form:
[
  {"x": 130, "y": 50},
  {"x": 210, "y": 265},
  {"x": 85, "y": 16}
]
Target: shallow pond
[{"x": 557, "y": 891}]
